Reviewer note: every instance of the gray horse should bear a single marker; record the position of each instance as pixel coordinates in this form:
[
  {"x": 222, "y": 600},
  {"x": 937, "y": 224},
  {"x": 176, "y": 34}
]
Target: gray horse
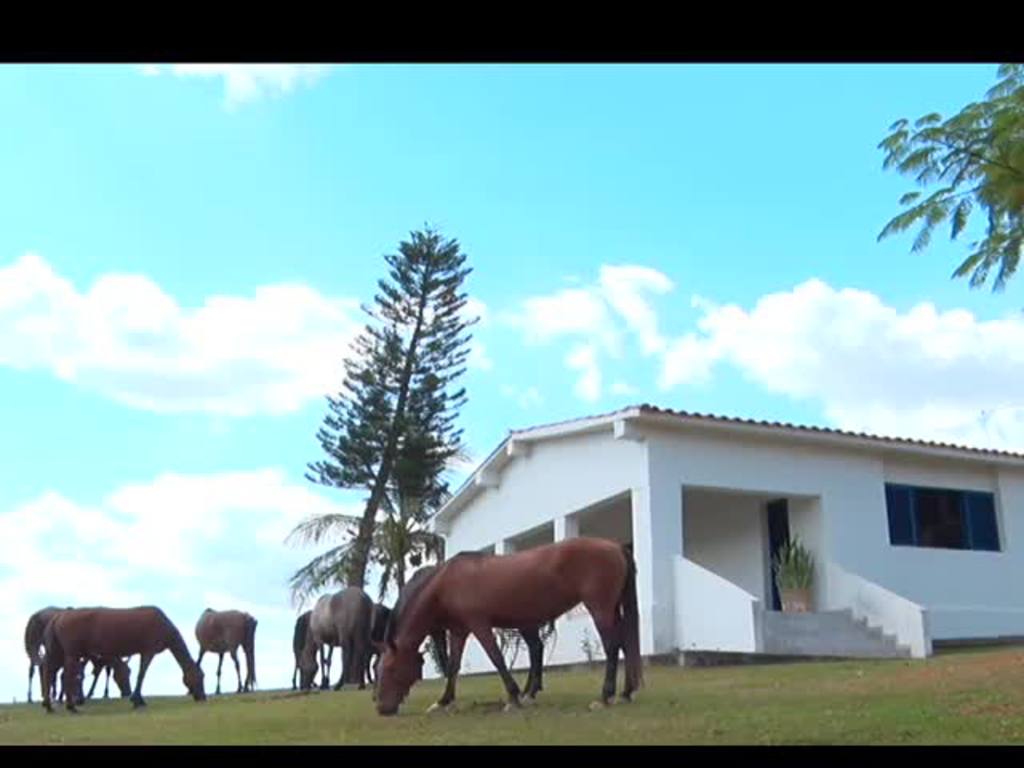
[{"x": 343, "y": 619}]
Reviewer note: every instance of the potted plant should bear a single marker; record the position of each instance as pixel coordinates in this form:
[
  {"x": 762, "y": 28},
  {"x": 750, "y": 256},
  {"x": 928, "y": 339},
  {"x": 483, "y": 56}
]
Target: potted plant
[{"x": 794, "y": 576}]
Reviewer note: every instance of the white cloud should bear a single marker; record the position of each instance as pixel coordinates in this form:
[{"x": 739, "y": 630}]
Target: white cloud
[
  {"x": 478, "y": 358},
  {"x": 598, "y": 317},
  {"x": 623, "y": 388},
  {"x": 624, "y": 289},
  {"x": 919, "y": 373},
  {"x": 126, "y": 338},
  {"x": 572, "y": 312},
  {"x": 584, "y": 359},
  {"x": 246, "y": 82},
  {"x": 183, "y": 542},
  {"x": 524, "y": 398}
]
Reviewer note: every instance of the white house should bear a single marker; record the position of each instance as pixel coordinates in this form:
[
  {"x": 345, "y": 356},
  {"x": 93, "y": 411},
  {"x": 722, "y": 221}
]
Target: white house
[{"x": 914, "y": 541}]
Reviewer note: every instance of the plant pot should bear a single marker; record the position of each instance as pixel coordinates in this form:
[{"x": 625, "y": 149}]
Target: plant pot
[{"x": 796, "y": 600}]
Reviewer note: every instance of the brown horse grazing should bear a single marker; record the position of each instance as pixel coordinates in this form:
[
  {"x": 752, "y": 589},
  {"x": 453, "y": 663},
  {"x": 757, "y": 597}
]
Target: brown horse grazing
[
  {"x": 473, "y": 593},
  {"x": 122, "y": 677},
  {"x": 114, "y": 633},
  {"x": 299, "y": 642},
  {"x": 439, "y": 637},
  {"x": 120, "y": 670},
  {"x": 222, "y": 632},
  {"x": 341, "y": 619},
  {"x": 34, "y": 640},
  {"x": 378, "y": 624}
]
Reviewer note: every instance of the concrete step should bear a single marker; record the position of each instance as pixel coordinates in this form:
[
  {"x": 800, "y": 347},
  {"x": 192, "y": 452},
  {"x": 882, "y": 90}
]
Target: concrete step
[{"x": 827, "y": 633}]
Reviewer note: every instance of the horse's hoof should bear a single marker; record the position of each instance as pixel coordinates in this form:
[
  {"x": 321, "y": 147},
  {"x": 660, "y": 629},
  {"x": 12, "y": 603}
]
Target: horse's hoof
[
  {"x": 529, "y": 701},
  {"x": 511, "y": 707},
  {"x": 598, "y": 705}
]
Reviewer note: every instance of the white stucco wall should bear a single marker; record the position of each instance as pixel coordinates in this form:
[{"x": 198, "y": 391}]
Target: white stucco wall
[
  {"x": 558, "y": 477},
  {"x": 712, "y": 613},
  {"x": 724, "y": 533}
]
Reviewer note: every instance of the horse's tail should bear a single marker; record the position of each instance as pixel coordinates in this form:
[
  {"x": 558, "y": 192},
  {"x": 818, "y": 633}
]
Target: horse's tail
[
  {"x": 439, "y": 642},
  {"x": 52, "y": 660},
  {"x": 631, "y": 620},
  {"x": 250, "y": 650}
]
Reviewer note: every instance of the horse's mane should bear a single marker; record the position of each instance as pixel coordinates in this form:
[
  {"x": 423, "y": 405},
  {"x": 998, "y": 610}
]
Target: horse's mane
[{"x": 409, "y": 593}]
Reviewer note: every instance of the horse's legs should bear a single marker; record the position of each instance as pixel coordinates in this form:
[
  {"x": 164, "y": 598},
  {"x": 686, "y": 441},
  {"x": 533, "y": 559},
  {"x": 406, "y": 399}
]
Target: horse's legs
[
  {"x": 536, "y": 650},
  {"x": 238, "y": 670},
  {"x": 295, "y": 672},
  {"x": 608, "y": 627},
  {"x": 325, "y": 665},
  {"x": 346, "y": 663},
  {"x": 106, "y": 685},
  {"x": 96, "y": 669},
  {"x": 31, "y": 669},
  {"x": 70, "y": 689},
  {"x": 220, "y": 663},
  {"x": 456, "y": 642},
  {"x": 485, "y": 636},
  {"x": 144, "y": 659},
  {"x": 360, "y": 661}
]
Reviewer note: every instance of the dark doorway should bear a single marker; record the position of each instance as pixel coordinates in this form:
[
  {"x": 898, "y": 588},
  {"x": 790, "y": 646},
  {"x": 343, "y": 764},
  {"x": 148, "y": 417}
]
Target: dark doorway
[{"x": 778, "y": 536}]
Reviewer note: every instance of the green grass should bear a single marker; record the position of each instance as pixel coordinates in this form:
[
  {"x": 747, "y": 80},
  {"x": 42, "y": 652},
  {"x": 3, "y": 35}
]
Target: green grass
[{"x": 972, "y": 697}]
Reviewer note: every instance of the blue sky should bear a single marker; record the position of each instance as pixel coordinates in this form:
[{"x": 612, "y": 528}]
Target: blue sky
[{"x": 183, "y": 252}]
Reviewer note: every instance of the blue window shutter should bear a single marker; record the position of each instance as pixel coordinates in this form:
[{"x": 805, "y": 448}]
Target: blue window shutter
[
  {"x": 898, "y": 506},
  {"x": 980, "y": 517}
]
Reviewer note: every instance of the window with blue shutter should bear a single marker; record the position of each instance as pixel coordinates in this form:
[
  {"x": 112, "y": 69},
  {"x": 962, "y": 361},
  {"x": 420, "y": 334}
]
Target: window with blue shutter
[
  {"x": 897, "y": 500},
  {"x": 941, "y": 519},
  {"x": 980, "y": 514}
]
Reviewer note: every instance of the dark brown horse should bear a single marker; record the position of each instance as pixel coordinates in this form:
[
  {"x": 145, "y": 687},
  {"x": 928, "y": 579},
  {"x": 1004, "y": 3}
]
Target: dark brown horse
[
  {"x": 34, "y": 629},
  {"x": 114, "y": 633},
  {"x": 299, "y": 642},
  {"x": 120, "y": 670},
  {"x": 439, "y": 638},
  {"x": 115, "y": 666},
  {"x": 378, "y": 623},
  {"x": 474, "y": 593},
  {"x": 341, "y": 619},
  {"x": 222, "y": 632}
]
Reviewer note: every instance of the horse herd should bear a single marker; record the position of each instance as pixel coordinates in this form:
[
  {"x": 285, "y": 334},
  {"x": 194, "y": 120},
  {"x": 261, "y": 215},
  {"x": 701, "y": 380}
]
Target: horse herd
[{"x": 469, "y": 594}]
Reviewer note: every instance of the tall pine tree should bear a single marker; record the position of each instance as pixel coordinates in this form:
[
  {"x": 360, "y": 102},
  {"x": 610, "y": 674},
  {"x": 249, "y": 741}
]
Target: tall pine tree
[{"x": 397, "y": 409}]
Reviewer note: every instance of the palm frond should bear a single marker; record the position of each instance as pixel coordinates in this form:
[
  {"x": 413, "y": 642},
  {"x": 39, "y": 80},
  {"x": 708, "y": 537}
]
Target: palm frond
[
  {"x": 313, "y": 529},
  {"x": 323, "y": 570}
]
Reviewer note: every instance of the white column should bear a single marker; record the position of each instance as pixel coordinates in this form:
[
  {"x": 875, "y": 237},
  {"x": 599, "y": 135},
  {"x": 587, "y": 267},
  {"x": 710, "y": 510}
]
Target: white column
[
  {"x": 657, "y": 541},
  {"x": 503, "y": 547},
  {"x": 567, "y": 527}
]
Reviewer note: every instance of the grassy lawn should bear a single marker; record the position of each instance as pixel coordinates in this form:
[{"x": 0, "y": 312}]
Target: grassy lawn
[{"x": 973, "y": 697}]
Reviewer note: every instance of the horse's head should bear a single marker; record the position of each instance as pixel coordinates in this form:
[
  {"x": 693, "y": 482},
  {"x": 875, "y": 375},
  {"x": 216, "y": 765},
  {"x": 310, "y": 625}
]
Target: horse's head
[
  {"x": 307, "y": 666},
  {"x": 122, "y": 676},
  {"x": 398, "y": 670},
  {"x": 193, "y": 679}
]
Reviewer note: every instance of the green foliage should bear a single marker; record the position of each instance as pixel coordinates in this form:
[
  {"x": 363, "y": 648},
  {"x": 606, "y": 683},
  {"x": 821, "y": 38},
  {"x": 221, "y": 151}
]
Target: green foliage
[
  {"x": 976, "y": 159},
  {"x": 391, "y": 429},
  {"x": 510, "y": 642},
  {"x": 793, "y": 566}
]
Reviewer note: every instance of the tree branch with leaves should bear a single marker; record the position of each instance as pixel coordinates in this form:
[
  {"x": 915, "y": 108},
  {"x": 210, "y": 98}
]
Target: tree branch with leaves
[{"x": 977, "y": 159}]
